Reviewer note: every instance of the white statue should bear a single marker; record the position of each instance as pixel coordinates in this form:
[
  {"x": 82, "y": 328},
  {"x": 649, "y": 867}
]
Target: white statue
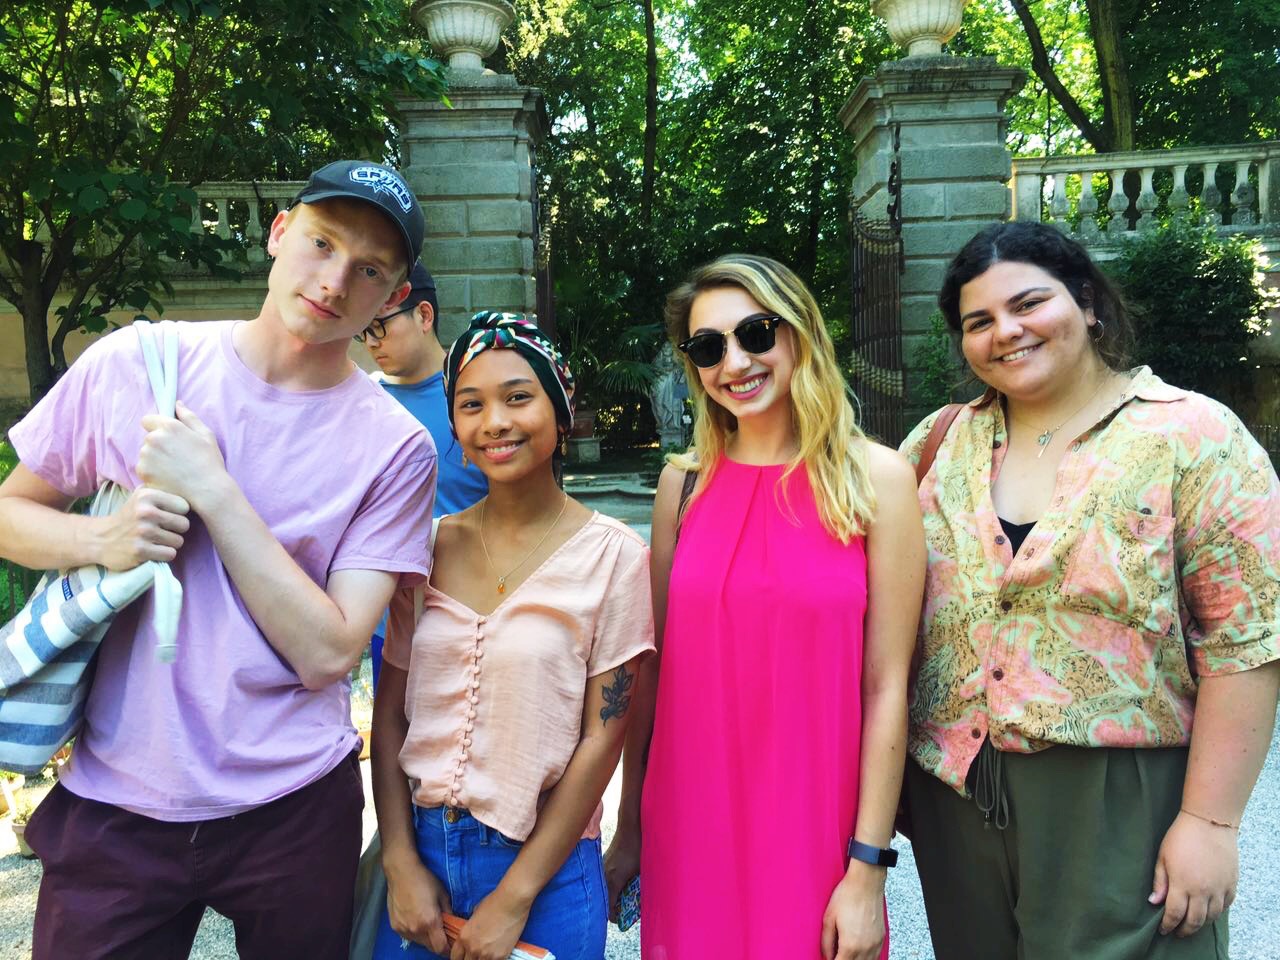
[{"x": 667, "y": 396}]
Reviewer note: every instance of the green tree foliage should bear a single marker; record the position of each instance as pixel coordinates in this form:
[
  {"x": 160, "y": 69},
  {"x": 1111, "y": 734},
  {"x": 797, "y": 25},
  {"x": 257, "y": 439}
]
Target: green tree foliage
[
  {"x": 749, "y": 156},
  {"x": 111, "y": 110},
  {"x": 761, "y": 159},
  {"x": 591, "y": 63},
  {"x": 1038, "y": 124},
  {"x": 1198, "y": 302},
  {"x": 942, "y": 373},
  {"x": 1128, "y": 74},
  {"x": 1204, "y": 75}
]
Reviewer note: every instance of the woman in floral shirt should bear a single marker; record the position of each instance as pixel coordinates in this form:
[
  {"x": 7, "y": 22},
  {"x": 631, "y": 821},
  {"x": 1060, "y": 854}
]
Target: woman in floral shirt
[{"x": 1100, "y": 642}]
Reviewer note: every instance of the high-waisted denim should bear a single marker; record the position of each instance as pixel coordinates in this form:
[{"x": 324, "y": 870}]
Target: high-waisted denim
[{"x": 568, "y": 917}]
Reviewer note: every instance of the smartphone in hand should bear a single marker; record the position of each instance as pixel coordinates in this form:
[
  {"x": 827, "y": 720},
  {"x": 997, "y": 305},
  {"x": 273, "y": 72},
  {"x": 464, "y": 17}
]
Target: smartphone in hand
[{"x": 629, "y": 904}]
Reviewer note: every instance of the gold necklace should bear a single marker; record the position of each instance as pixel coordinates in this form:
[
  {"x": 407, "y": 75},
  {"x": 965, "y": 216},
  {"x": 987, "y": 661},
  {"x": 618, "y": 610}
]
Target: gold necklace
[
  {"x": 502, "y": 579},
  {"x": 1045, "y": 438}
]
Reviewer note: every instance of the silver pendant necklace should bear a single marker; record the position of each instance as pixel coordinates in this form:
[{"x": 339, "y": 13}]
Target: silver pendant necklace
[{"x": 1046, "y": 437}]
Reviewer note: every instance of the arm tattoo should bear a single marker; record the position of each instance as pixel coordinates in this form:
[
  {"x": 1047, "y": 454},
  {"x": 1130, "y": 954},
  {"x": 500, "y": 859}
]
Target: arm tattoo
[{"x": 617, "y": 696}]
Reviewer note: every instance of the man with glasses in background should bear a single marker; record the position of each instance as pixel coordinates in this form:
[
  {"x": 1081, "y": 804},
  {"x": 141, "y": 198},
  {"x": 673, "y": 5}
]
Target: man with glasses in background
[{"x": 405, "y": 344}]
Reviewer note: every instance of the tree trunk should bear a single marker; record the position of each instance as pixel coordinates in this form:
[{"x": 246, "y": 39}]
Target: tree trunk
[
  {"x": 1118, "y": 114},
  {"x": 807, "y": 256},
  {"x": 649, "y": 174},
  {"x": 35, "y": 334},
  {"x": 1098, "y": 136},
  {"x": 35, "y": 321}
]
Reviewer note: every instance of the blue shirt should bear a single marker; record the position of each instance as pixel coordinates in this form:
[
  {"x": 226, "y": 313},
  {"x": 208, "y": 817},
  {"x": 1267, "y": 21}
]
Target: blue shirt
[{"x": 457, "y": 486}]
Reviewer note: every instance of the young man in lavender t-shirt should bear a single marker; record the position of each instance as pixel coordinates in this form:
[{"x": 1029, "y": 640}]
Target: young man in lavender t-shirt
[{"x": 290, "y": 494}]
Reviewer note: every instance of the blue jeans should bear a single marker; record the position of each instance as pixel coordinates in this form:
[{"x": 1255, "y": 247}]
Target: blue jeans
[
  {"x": 375, "y": 658},
  {"x": 568, "y": 917}
]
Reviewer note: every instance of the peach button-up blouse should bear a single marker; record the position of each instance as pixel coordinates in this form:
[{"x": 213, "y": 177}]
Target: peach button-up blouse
[{"x": 495, "y": 702}]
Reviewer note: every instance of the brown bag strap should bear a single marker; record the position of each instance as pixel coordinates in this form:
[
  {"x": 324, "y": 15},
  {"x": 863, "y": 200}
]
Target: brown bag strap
[
  {"x": 936, "y": 434},
  {"x": 686, "y": 491}
]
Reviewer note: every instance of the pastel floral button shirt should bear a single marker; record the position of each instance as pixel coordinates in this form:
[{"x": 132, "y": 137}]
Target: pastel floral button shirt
[{"x": 1157, "y": 562}]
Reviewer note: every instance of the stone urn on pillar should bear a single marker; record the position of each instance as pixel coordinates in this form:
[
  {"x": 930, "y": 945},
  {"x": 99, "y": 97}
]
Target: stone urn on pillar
[
  {"x": 464, "y": 31},
  {"x": 920, "y": 27}
]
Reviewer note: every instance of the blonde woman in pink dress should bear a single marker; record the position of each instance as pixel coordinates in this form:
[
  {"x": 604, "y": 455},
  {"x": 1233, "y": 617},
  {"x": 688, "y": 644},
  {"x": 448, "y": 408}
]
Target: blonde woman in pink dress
[{"x": 760, "y": 783}]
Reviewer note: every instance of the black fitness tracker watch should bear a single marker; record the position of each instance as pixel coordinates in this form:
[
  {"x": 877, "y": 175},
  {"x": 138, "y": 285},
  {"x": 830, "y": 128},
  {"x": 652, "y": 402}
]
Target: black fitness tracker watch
[{"x": 876, "y": 856}]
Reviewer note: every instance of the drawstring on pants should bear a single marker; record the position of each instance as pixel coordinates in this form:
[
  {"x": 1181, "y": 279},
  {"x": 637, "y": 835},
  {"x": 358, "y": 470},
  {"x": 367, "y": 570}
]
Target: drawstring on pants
[{"x": 989, "y": 792}]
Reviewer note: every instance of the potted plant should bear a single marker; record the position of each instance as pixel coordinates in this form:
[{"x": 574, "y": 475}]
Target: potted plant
[
  {"x": 21, "y": 815},
  {"x": 607, "y": 362},
  {"x": 10, "y": 784}
]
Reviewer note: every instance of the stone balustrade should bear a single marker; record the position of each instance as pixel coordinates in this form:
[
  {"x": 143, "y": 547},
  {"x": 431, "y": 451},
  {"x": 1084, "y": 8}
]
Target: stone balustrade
[
  {"x": 1102, "y": 198},
  {"x": 242, "y": 209}
]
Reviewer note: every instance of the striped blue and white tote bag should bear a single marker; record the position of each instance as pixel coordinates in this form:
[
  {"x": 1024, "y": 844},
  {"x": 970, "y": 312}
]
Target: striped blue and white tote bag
[{"x": 46, "y": 650}]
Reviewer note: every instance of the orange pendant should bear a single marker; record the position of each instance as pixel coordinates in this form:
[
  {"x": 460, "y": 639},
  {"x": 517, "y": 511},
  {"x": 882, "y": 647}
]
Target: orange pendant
[{"x": 502, "y": 584}]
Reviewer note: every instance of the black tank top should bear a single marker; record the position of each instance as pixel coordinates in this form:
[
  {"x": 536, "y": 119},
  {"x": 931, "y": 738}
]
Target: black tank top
[{"x": 1016, "y": 532}]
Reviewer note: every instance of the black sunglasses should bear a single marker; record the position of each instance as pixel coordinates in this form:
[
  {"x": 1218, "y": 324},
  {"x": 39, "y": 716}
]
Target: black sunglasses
[
  {"x": 379, "y": 326},
  {"x": 754, "y": 335}
]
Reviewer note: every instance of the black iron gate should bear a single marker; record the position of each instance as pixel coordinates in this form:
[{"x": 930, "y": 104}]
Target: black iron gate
[
  {"x": 876, "y": 266},
  {"x": 877, "y": 328}
]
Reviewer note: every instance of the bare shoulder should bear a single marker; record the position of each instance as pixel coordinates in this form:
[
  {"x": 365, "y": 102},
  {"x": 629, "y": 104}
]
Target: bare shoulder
[
  {"x": 894, "y": 481},
  {"x": 456, "y": 528},
  {"x": 890, "y": 471},
  {"x": 666, "y": 507},
  {"x": 670, "y": 481}
]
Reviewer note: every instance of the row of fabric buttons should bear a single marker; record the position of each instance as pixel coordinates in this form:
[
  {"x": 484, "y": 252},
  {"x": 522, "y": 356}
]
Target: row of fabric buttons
[
  {"x": 997, "y": 674},
  {"x": 472, "y": 698}
]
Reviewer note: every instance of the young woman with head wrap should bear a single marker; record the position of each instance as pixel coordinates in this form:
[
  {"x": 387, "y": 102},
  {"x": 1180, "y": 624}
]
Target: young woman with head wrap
[{"x": 505, "y": 705}]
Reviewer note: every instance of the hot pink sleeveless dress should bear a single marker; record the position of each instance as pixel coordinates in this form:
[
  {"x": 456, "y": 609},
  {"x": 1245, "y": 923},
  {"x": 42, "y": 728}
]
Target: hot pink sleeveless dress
[{"x": 752, "y": 784}]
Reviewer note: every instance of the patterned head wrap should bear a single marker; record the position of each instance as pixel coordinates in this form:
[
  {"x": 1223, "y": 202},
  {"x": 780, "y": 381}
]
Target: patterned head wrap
[{"x": 513, "y": 331}]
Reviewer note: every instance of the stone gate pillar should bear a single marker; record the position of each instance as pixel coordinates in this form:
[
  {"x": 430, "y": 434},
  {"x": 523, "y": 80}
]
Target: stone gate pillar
[
  {"x": 472, "y": 167},
  {"x": 472, "y": 164},
  {"x": 942, "y": 119}
]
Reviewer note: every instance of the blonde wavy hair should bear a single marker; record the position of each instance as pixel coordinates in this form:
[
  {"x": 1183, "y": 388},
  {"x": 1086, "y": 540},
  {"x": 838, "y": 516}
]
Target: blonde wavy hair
[{"x": 832, "y": 447}]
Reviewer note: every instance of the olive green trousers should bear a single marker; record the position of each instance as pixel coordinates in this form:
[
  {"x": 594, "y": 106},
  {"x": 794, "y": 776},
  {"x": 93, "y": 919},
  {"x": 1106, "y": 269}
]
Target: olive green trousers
[{"x": 1068, "y": 876}]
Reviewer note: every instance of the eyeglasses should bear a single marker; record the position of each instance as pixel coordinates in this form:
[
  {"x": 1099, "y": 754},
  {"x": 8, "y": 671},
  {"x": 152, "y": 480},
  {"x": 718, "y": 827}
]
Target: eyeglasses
[
  {"x": 378, "y": 328},
  {"x": 755, "y": 335}
]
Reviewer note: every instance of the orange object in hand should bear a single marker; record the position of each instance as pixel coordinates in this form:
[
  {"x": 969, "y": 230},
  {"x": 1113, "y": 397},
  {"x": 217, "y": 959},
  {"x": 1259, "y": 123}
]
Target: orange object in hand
[{"x": 523, "y": 951}]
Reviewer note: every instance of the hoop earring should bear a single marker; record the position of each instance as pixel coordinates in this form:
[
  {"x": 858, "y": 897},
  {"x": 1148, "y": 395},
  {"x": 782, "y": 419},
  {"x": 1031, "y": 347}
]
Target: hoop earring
[{"x": 1099, "y": 331}]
